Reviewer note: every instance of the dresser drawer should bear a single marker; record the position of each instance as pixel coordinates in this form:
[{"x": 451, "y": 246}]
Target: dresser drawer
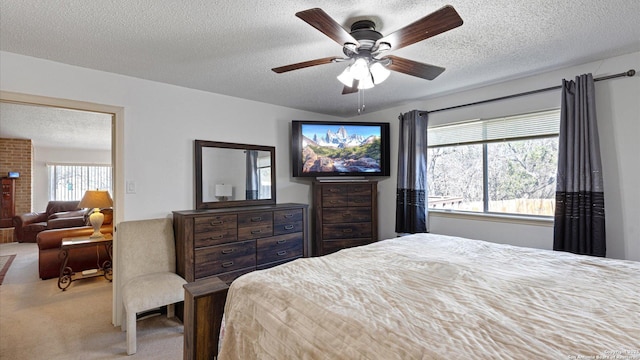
[
  {"x": 215, "y": 230},
  {"x": 360, "y": 190},
  {"x": 279, "y": 248},
  {"x": 215, "y": 223},
  {"x": 347, "y": 215},
  {"x": 255, "y": 225},
  {"x": 223, "y": 258},
  {"x": 334, "y": 201},
  {"x": 359, "y": 200},
  {"x": 287, "y": 221},
  {"x": 228, "y": 277},
  {"x": 332, "y": 246},
  {"x": 334, "y": 190},
  {"x": 287, "y": 216},
  {"x": 215, "y": 238},
  {"x": 347, "y": 230}
]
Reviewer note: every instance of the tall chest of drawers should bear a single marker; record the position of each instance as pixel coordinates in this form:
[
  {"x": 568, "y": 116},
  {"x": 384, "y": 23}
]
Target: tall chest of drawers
[
  {"x": 227, "y": 243},
  {"x": 346, "y": 215}
]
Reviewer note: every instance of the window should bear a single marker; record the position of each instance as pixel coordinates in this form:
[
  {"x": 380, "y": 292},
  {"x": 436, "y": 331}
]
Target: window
[
  {"x": 504, "y": 165},
  {"x": 264, "y": 176},
  {"x": 69, "y": 182}
]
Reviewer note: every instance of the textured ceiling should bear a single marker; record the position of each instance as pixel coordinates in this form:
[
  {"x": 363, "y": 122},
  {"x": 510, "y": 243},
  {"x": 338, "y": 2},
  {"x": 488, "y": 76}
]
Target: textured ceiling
[
  {"x": 229, "y": 47},
  {"x": 50, "y": 127}
]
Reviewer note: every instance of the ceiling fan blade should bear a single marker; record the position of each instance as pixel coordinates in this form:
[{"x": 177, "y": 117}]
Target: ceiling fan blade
[
  {"x": 439, "y": 21},
  {"x": 413, "y": 68},
  {"x": 350, "y": 90},
  {"x": 304, "y": 64},
  {"x": 319, "y": 19}
]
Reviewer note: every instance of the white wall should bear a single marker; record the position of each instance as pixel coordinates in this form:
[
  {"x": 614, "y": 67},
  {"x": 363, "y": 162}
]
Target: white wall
[
  {"x": 618, "y": 111},
  {"x": 160, "y": 123},
  {"x": 45, "y": 155}
]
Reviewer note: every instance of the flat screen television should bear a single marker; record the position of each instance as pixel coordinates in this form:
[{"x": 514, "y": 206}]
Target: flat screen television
[{"x": 338, "y": 148}]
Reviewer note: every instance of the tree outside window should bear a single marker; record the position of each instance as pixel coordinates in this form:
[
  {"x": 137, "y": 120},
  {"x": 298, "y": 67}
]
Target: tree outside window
[{"x": 505, "y": 165}]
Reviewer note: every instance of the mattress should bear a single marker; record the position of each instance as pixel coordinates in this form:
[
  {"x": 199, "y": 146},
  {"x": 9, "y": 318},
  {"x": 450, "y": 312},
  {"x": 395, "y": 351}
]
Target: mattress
[{"x": 430, "y": 296}]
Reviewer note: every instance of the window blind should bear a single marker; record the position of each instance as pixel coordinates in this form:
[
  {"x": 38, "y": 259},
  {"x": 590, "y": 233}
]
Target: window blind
[
  {"x": 525, "y": 126},
  {"x": 69, "y": 182}
]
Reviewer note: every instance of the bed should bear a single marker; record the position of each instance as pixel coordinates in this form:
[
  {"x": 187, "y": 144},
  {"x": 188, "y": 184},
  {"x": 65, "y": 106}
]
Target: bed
[{"x": 430, "y": 296}]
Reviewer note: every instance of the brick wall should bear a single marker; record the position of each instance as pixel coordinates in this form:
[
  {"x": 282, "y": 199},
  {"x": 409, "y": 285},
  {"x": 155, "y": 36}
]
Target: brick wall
[
  {"x": 6, "y": 235},
  {"x": 17, "y": 155}
]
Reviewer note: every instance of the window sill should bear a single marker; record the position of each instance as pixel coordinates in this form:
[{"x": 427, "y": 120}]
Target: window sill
[{"x": 502, "y": 218}]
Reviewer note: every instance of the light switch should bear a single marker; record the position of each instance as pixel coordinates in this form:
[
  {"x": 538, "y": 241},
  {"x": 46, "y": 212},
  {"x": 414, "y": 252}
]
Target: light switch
[{"x": 131, "y": 187}]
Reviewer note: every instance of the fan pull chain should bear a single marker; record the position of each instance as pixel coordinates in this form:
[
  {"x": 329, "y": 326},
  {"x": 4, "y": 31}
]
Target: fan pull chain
[{"x": 361, "y": 106}]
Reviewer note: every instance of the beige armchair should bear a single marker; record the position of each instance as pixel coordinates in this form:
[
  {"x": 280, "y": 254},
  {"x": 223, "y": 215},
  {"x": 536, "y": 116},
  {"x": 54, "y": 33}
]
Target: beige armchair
[{"x": 147, "y": 265}]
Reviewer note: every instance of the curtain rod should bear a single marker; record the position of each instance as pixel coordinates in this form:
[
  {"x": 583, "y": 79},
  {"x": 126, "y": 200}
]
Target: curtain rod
[{"x": 631, "y": 72}]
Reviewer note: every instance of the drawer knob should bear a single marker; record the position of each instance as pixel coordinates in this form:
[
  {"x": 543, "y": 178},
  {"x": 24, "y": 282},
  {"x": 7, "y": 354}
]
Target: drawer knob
[
  {"x": 216, "y": 237},
  {"x": 217, "y": 222},
  {"x": 256, "y": 218},
  {"x": 347, "y": 230},
  {"x": 288, "y": 227},
  {"x": 227, "y": 264},
  {"x": 287, "y": 216},
  {"x": 227, "y": 251},
  {"x": 256, "y": 231},
  {"x": 282, "y": 253},
  {"x": 282, "y": 241}
]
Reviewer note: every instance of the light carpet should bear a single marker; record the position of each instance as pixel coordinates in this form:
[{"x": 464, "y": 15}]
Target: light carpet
[{"x": 39, "y": 321}]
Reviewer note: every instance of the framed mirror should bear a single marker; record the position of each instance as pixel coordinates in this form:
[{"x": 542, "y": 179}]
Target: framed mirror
[{"x": 229, "y": 174}]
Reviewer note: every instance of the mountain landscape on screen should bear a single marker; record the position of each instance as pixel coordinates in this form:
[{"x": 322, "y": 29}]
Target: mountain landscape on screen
[{"x": 349, "y": 149}]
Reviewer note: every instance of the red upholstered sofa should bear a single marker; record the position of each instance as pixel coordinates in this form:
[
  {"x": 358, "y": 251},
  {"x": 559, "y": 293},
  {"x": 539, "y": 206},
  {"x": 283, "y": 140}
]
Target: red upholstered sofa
[
  {"x": 59, "y": 214},
  {"x": 50, "y": 241}
]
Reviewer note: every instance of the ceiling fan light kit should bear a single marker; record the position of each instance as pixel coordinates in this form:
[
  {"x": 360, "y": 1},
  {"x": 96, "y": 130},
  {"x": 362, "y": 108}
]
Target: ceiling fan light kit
[
  {"x": 363, "y": 45},
  {"x": 368, "y": 73},
  {"x": 379, "y": 72}
]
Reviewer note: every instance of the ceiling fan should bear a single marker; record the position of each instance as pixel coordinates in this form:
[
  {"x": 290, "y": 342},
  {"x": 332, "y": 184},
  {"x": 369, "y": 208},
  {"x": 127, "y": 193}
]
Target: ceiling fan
[{"x": 364, "y": 45}]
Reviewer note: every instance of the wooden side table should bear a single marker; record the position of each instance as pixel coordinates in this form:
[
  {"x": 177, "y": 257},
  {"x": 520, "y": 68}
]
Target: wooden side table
[{"x": 66, "y": 272}]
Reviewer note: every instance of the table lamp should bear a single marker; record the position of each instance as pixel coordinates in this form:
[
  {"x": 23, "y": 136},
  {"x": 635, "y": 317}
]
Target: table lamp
[
  {"x": 224, "y": 191},
  {"x": 96, "y": 199}
]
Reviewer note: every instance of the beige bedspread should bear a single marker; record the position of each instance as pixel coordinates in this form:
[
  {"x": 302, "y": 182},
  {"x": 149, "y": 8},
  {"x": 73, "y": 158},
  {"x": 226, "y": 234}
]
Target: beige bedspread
[{"x": 437, "y": 297}]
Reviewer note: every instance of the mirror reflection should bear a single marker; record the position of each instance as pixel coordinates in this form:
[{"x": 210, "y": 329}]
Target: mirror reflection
[
  {"x": 229, "y": 174},
  {"x": 235, "y": 174}
]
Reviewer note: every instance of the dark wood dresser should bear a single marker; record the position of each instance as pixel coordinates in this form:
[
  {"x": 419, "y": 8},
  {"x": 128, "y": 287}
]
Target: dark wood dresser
[
  {"x": 229, "y": 242},
  {"x": 7, "y": 202},
  {"x": 346, "y": 215}
]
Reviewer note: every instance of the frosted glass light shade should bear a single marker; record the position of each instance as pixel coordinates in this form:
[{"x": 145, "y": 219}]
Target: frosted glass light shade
[
  {"x": 379, "y": 73},
  {"x": 360, "y": 69},
  {"x": 346, "y": 78},
  {"x": 366, "y": 83}
]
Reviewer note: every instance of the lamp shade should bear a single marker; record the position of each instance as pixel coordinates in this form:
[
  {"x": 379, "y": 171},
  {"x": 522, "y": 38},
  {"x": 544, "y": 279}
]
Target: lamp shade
[
  {"x": 366, "y": 83},
  {"x": 379, "y": 73},
  {"x": 96, "y": 199},
  {"x": 224, "y": 190},
  {"x": 346, "y": 78},
  {"x": 360, "y": 69}
]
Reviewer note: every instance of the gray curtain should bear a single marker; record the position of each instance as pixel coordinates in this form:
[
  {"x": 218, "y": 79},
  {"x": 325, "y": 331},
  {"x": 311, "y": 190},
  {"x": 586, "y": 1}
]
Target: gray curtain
[
  {"x": 411, "y": 196},
  {"x": 579, "y": 225},
  {"x": 253, "y": 180}
]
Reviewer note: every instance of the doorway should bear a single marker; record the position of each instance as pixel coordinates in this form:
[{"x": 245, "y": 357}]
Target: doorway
[{"x": 117, "y": 157}]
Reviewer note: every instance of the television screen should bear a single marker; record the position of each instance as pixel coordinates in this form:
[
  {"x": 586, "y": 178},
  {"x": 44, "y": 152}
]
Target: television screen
[{"x": 335, "y": 148}]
